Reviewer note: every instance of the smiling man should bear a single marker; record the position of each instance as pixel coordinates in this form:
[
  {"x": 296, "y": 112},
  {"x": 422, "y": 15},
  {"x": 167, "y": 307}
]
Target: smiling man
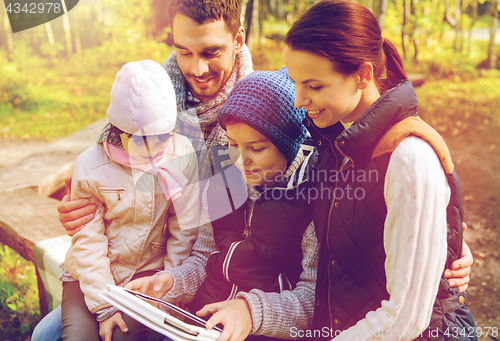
[
  {"x": 204, "y": 55},
  {"x": 210, "y": 57}
]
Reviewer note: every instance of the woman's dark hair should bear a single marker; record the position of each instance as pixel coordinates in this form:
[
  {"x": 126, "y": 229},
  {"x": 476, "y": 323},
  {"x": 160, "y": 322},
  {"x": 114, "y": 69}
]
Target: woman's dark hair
[{"x": 348, "y": 35}]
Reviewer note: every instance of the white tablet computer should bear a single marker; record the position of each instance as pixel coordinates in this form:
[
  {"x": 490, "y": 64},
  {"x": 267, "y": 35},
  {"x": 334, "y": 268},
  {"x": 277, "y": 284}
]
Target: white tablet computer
[{"x": 132, "y": 303}]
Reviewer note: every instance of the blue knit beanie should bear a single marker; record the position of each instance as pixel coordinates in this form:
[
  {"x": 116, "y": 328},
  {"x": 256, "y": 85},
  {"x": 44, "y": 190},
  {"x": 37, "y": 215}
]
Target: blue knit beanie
[{"x": 263, "y": 100}]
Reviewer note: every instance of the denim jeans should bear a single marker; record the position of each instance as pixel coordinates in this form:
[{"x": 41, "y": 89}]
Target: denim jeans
[{"x": 49, "y": 328}]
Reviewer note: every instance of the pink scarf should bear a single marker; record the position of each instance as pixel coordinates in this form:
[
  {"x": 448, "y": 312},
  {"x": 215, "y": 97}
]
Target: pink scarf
[{"x": 171, "y": 179}]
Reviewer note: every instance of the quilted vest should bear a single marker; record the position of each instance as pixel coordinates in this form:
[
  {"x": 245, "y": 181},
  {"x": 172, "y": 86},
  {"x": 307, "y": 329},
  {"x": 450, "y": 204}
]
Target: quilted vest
[
  {"x": 351, "y": 276},
  {"x": 259, "y": 242}
]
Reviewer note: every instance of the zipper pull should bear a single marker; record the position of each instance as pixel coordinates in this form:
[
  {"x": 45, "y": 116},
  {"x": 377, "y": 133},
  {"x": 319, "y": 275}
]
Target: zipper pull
[{"x": 246, "y": 231}]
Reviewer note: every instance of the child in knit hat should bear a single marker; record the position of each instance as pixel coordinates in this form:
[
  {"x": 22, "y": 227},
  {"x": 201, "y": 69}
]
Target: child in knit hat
[
  {"x": 254, "y": 267},
  {"x": 142, "y": 177}
]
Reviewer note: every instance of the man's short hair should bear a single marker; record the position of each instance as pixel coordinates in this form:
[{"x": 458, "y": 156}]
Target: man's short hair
[{"x": 201, "y": 10}]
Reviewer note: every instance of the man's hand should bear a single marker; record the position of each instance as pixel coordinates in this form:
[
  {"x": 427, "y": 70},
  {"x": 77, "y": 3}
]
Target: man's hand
[
  {"x": 106, "y": 327},
  {"x": 155, "y": 286},
  {"x": 458, "y": 275},
  {"x": 234, "y": 314},
  {"x": 73, "y": 215}
]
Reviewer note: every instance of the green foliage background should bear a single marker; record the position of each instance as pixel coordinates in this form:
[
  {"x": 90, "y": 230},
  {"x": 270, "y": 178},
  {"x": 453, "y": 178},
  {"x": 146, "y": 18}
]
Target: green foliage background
[
  {"x": 50, "y": 99},
  {"x": 47, "y": 93},
  {"x": 19, "y": 311}
]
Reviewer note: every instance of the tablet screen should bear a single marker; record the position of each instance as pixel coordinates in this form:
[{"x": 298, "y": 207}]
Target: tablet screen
[{"x": 191, "y": 318}]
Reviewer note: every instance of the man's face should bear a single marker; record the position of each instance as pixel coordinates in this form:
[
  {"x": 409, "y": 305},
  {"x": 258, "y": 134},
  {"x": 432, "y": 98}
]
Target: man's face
[{"x": 205, "y": 53}]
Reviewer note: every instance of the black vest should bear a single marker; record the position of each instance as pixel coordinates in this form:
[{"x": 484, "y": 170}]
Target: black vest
[{"x": 350, "y": 223}]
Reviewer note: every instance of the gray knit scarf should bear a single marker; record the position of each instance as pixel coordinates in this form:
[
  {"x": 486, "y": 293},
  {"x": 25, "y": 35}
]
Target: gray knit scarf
[{"x": 205, "y": 113}]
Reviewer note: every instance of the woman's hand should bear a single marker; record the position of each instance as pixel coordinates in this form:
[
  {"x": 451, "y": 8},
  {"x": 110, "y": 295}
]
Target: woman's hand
[
  {"x": 458, "y": 275},
  {"x": 73, "y": 215},
  {"x": 234, "y": 314},
  {"x": 155, "y": 286},
  {"x": 106, "y": 327}
]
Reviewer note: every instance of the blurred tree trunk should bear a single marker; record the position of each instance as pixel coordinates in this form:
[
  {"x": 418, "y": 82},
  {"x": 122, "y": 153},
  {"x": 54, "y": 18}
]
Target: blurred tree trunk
[
  {"x": 413, "y": 30},
  {"x": 272, "y": 7},
  {"x": 253, "y": 34},
  {"x": 379, "y": 10},
  {"x": 409, "y": 28},
  {"x": 453, "y": 18},
  {"x": 368, "y": 4},
  {"x": 50, "y": 36},
  {"x": 76, "y": 29},
  {"x": 264, "y": 11},
  {"x": 447, "y": 16},
  {"x": 67, "y": 30},
  {"x": 474, "y": 6},
  {"x": 243, "y": 18},
  {"x": 458, "y": 44},
  {"x": 491, "y": 58},
  {"x": 403, "y": 26},
  {"x": 289, "y": 14},
  {"x": 255, "y": 30},
  {"x": 280, "y": 11},
  {"x": 248, "y": 20},
  {"x": 8, "y": 31}
]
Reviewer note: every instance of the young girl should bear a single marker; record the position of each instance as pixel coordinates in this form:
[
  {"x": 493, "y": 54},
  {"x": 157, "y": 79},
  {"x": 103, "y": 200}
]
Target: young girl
[
  {"x": 142, "y": 177},
  {"x": 384, "y": 248}
]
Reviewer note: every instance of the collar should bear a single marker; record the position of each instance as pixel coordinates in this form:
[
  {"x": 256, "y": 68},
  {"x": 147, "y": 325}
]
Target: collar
[
  {"x": 110, "y": 134},
  {"x": 295, "y": 175},
  {"x": 191, "y": 100},
  {"x": 171, "y": 180}
]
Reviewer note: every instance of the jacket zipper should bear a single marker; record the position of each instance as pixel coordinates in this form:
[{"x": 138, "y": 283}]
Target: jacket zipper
[
  {"x": 156, "y": 246},
  {"x": 282, "y": 280},
  {"x": 113, "y": 190},
  {"x": 234, "y": 291},
  {"x": 345, "y": 156},
  {"x": 227, "y": 259},
  {"x": 328, "y": 228},
  {"x": 246, "y": 232},
  {"x": 333, "y": 146}
]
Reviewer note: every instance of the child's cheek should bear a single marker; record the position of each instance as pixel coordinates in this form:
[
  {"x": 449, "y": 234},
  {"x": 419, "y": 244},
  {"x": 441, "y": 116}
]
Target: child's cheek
[{"x": 234, "y": 155}]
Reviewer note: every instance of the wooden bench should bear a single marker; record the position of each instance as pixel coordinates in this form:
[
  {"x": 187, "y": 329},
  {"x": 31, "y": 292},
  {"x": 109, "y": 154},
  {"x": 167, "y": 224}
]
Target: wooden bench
[{"x": 30, "y": 191}]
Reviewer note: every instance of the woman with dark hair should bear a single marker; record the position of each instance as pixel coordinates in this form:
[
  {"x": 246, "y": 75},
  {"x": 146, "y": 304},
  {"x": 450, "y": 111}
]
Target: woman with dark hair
[{"x": 390, "y": 218}]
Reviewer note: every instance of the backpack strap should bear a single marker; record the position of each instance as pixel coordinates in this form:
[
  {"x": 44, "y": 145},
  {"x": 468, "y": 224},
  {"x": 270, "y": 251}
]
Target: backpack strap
[{"x": 414, "y": 126}]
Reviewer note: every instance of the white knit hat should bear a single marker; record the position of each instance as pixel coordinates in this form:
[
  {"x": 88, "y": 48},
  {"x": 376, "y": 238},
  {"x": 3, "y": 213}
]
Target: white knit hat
[{"x": 143, "y": 99}]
